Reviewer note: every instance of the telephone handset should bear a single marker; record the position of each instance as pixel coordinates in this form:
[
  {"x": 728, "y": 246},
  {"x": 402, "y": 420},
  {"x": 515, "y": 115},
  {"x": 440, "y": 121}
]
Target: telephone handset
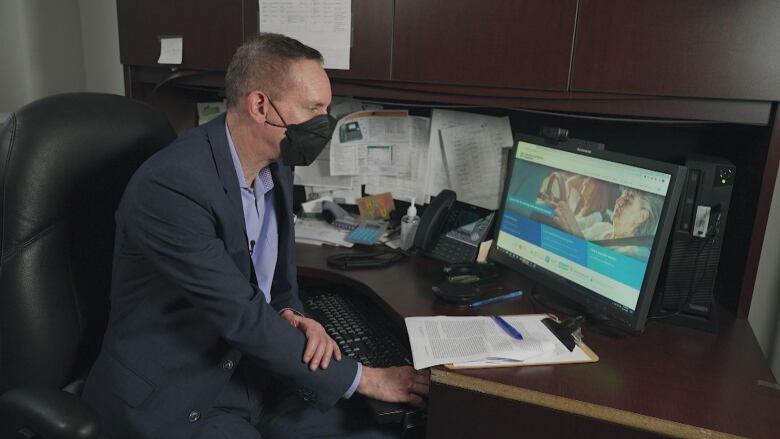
[
  {"x": 451, "y": 231},
  {"x": 433, "y": 220}
]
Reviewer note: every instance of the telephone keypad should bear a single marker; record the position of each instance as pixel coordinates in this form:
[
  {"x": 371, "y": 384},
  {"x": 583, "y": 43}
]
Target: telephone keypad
[{"x": 453, "y": 251}]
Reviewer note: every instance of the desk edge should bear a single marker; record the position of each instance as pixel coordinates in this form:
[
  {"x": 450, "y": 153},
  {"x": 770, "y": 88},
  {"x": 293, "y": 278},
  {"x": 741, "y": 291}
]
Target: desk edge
[{"x": 595, "y": 411}]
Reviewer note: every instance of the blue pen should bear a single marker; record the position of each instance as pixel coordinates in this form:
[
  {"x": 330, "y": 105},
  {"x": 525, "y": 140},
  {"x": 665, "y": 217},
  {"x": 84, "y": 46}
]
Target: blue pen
[
  {"x": 509, "y": 329},
  {"x": 509, "y": 296}
]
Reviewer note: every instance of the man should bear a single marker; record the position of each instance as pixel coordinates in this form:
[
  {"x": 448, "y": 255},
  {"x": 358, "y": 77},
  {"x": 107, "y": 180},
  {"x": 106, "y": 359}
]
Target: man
[{"x": 206, "y": 336}]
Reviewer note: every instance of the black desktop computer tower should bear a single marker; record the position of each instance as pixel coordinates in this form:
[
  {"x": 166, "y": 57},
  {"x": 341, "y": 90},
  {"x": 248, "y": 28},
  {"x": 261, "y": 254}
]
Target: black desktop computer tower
[{"x": 685, "y": 290}]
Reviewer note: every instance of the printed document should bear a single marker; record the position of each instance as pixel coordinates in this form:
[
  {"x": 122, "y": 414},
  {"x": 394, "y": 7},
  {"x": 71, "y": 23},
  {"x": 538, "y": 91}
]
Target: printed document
[
  {"x": 436, "y": 173},
  {"x": 441, "y": 339},
  {"x": 406, "y": 187},
  {"x": 372, "y": 143},
  {"x": 318, "y": 174},
  {"x": 325, "y": 25},
  {"x": 475, "y": 162},
  {"x": 318, "y": 232}
]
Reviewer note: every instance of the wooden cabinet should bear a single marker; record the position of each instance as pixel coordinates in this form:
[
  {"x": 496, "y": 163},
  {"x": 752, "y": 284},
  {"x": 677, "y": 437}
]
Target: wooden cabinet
[
  {"x": 211, "y": 30},
  {"x": 503, "y": 43},
  {"x": 691, "y": 48},
  {"x": 372, "y": 35}
]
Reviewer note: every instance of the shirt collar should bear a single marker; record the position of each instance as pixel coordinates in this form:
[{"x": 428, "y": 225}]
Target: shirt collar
[{"x": 264, "y": 183}]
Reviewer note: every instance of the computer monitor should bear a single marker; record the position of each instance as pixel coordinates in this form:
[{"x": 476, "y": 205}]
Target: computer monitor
[{"x": 588, "y": 225}]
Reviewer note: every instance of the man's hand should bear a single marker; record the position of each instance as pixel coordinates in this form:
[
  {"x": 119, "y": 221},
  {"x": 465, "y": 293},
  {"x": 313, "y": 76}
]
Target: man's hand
[
  {"x": 566, "y": 220},
  {"x": 395, "y": 384},
  {"x": 320, "y": 348}
]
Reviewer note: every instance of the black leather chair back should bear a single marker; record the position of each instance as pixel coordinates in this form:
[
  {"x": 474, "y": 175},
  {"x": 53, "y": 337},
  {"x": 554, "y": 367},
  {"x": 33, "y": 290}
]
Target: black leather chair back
[{"x": 64, "y": 163}]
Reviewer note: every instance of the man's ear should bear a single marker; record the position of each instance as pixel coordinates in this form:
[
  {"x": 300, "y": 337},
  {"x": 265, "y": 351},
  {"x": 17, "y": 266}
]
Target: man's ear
[
  {"x": 644, "y": 215},
  {"x": 257, "y": 106}
]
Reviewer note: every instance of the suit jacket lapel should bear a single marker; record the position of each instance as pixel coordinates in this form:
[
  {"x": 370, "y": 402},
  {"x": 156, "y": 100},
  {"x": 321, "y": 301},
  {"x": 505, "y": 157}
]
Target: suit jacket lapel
[
  {"x": 283, "y": 205},
  {"x": 224, "y": 163},
  {"x": 282, "y": 189}
]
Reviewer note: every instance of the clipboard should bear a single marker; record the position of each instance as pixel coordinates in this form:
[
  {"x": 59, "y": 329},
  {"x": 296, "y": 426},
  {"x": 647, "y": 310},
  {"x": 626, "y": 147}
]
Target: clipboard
[{"x": 580, "y": 354}]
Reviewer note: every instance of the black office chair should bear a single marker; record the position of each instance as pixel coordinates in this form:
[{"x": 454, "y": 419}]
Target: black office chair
[{"x": 64, "y": 163}]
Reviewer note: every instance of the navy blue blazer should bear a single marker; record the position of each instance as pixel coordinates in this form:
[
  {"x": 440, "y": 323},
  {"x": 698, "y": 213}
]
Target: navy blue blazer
[{"x": 183, "y": 310}]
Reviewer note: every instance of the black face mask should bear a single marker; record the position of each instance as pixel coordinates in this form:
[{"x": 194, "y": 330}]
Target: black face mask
[{"x": 303, "y": 142}]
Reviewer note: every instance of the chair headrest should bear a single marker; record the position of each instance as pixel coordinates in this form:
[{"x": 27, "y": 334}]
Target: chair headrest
[{"x": 64, "y": 163}]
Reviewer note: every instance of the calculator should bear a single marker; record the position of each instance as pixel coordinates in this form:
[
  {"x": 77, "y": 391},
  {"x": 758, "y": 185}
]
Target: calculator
[{"x": 367, "y": 232}]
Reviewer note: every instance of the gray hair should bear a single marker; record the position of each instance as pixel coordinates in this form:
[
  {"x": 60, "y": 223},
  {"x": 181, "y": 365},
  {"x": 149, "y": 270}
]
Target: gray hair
[
  {"x": 653, "y": 203},
  {"x": 262, "y": 63}
]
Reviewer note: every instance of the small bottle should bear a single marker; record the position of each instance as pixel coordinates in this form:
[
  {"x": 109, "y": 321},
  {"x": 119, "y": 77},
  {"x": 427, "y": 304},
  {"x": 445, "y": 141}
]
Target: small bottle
[{"x": 409, "y": 224}]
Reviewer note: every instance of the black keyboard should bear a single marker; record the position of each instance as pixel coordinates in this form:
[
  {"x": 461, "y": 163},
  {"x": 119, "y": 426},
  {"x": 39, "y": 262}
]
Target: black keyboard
[{"x": 365, "y": 333}]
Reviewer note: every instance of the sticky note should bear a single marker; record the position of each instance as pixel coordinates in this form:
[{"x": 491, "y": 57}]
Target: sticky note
[{"x": 171, "y": 49}]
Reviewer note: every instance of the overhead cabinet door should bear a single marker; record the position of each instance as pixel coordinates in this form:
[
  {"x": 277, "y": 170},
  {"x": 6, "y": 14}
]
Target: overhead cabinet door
[
  {"x": 689, "y": 48},
  {"x": 500, "y": 43},
  {"x": 211, "y": 30}
]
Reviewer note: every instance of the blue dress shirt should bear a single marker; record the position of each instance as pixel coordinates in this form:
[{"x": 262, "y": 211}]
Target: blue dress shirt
[{"x": 261, "y": 230}]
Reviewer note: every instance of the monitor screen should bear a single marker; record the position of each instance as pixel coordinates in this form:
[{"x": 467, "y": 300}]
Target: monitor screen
[{"x": 589, "y": 225}]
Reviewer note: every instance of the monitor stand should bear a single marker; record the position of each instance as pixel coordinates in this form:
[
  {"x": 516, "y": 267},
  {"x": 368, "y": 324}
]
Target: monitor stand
[
  {"x": 556, "y": 302},
  {"x": 560, "y": 304}
]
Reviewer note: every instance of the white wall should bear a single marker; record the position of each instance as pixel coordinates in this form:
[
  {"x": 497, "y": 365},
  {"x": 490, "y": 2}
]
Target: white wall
[
  {"x": 100, "y": 40},
  {"x": 57, "y": 46},
  {"x": 14, "y": 88},
  {"x": 764, "y": 316}
]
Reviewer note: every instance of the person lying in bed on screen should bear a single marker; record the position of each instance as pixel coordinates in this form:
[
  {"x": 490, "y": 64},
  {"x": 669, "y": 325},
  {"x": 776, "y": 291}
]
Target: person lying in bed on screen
[
  {"x": 590, "y": 199},
  {"x": 635, "y": 215}
]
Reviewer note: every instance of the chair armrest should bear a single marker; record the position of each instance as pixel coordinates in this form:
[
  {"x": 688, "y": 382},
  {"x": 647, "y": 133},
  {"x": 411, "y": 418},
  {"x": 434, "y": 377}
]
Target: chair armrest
[{"x": 49, "y": 413}]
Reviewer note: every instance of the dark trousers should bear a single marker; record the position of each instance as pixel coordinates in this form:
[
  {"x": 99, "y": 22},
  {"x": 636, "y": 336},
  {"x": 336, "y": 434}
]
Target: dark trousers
[{"x": 281, "y": 412}]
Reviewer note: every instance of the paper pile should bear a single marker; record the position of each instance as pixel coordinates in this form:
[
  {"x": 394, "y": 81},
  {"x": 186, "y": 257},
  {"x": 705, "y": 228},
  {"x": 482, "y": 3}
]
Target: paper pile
[
  {"x": 411, "y": 156},
  {"x": 441, "y": 340},
  {"x": 317, "y": 232}
]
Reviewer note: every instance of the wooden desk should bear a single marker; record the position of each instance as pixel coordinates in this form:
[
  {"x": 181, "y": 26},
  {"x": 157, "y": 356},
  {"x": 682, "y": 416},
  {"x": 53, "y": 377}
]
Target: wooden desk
[{"x": 670, "y": 381}]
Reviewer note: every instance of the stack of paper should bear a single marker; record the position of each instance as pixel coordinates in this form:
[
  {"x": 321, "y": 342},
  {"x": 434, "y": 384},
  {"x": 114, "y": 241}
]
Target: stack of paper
[
  {"x": 475, "y": 159},
  {"x": 325, "y": 25},
  {"x": 317, "y": 232},
  {"x": 467, "y": 153},
  {"x": 379, "y": 149},
  {"x": 442, "y": 340},
  {"x": 411, "y": 156}
]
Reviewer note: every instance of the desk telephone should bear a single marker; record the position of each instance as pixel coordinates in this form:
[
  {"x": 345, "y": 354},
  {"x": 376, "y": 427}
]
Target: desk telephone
[
  {"x": 448, "y": 231},
  {"x": 451, "y": 231}
]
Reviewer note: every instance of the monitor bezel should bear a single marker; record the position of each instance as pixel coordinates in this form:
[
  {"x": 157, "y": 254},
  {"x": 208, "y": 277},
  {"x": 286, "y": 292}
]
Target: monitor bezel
[{"x": 588, "y": 299}]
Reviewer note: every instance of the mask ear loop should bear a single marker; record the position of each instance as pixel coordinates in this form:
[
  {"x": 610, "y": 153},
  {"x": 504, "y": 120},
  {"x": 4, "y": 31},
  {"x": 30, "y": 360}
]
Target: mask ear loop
[
  {"x": 278, "y": 114},
  {"x": 285, "y": 122}
]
